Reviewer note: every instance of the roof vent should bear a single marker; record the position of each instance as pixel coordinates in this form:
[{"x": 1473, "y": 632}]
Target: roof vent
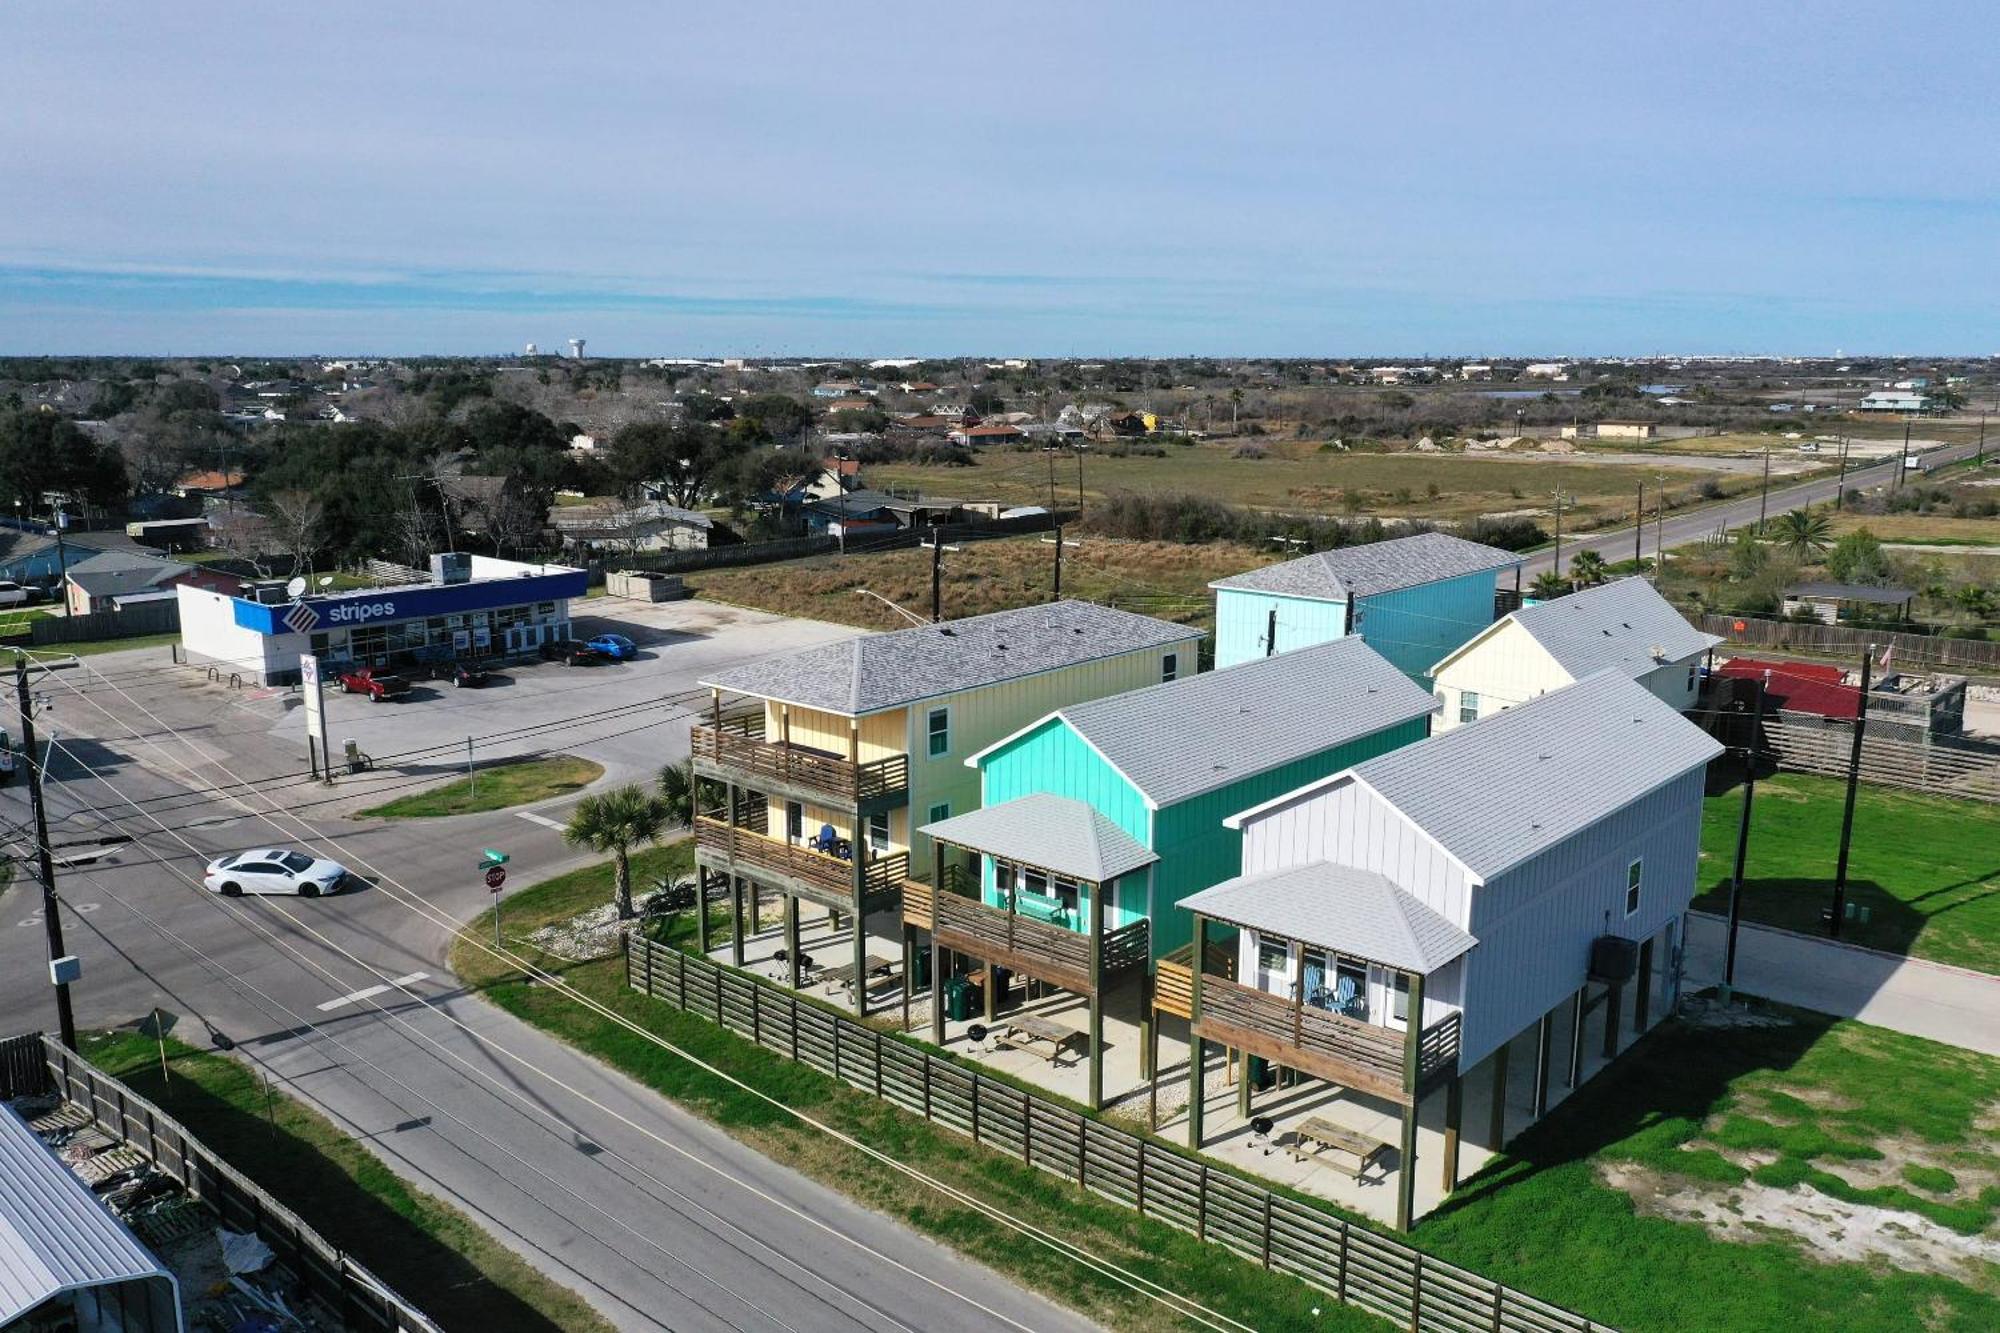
[
  {"x": 1000, "y": 647},
  {"x": 1544, "y": 756},
  {"x": 949, "y": 632},
  {"x": 1659, "y": 653}
]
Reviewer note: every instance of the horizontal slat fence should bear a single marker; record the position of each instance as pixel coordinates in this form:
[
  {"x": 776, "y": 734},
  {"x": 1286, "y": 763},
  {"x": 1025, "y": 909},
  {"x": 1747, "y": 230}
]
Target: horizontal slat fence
[
  {"x": 1352, "y": 1263},
  {"x": 36, "y": 1064},
  {"x": 1912, "y": 650},
  {"x": 1939, "y": 769}
]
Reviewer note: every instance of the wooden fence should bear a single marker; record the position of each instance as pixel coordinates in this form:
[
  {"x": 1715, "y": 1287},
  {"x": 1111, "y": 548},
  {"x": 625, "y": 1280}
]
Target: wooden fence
[
  {"x": 35, "y": 1064},
  {"x": 145, "y": 618},
  {"x": 1941, "y": 770},
  {"x": 1352, "y": 1263},
  {"x": 1912, "y": 650}
]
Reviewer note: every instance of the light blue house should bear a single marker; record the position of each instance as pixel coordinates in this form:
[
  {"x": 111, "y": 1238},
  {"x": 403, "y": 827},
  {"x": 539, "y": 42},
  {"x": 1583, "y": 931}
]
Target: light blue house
[
  {"x": 1412, "y": 599},
  {"x": 1098, "y": 818}
]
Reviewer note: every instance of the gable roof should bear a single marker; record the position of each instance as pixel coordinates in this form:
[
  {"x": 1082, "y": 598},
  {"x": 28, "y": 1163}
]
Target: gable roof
[
  {"x": 1500, "y": 790},
  {"x": 1612, "y": 627},
  {"x": 1360, "y": 911},
  {"x": 1375, "y": 567},
  {"x": 1800, "y": 687},
  {"x": 876, "y": 671},
  {"x": 1050, "y": 832},
  {"x": 113, "y": 573},
  {"x": 55, "y": 1236},
  {"x": 1198, "y": 733},
  {"x": 619, "y": 518}
]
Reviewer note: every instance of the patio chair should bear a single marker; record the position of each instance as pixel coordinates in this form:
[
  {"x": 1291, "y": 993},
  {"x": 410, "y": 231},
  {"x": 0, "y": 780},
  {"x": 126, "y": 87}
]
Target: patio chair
[
  {"x": 1347, "y": 998},
  {"x": 826, "y": 841}
]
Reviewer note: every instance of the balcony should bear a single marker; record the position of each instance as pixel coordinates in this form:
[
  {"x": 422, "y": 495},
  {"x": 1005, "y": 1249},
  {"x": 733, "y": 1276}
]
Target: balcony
[
  {"x": 1173, "y": 977},
  {"x": 1325, "y": 1045},
  {"x": 743, "y": 849},
  {"x": 736, "y": 750},
  {"x": 1050, "y": 953}
]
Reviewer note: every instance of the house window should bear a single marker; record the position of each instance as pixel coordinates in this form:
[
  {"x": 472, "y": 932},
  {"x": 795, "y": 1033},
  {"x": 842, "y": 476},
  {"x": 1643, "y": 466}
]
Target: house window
[
  {"x": 878, "y": 833},
  {"x": 1068, "y": 898},
  {"x": 1399, "y": 998},
  {"x": 1274, "y": 959},
  {"x": 1004, "y": 877},
  {"x": 939, "y": 727},
  {"x": 795, "y": 820},
  {"x": 1692, "y": 673},
  {"x": 938, "y": 813},
  {"x": 1632, "y": 878},
  {"x": 1170, "y": 667},
  {"x": 1468, "y": 706}
]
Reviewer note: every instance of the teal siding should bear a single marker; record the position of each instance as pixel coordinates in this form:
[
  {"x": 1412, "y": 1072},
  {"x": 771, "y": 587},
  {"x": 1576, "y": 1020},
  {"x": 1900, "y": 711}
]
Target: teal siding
[
  {"x": 1196, "y": 851},
  {"x": 1243, "y": 618},
  {"x": 1416, "y": 627}
]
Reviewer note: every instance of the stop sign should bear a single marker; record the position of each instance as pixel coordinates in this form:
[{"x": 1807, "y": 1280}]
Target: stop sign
[{"x": 495, "y": 877}]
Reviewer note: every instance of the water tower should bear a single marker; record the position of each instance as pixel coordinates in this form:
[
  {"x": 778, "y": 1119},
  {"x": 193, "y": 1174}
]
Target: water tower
[
  {"x": 576, "y": 349},
  {"x": 531, "y": 350}
]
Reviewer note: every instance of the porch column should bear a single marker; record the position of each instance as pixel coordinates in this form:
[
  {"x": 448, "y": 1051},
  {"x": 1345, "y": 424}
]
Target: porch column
[
  {"x": 1413, "y": 1036},
  {"x": 792, "y": 938},
  {"x": 1454, "y": 1109},
  {"x": 1195, "y": 1043},
  {"x": 1576, "y": 1039},
  {"x": 701, "y": 879},
  {"x": 860, "y": 879},
  {"x": 909, "y": 969},
  {"x": 785, "y": 737},
  {"x": 756, "y": 907},
  {"x": 736, "y": 919},
  {"x": 1642, "y": 1003},
  {"x": 1097, "y": 894},
  {"x": 1497, "y": 1132},
  {"x": 1545, "y": 1033},
  {"x": 1148, "y": 1024},
  {"x": 1611, "y": 1019},
  {"x": 937, "y": 950},
  {"x": 1149, "y": 1038}
]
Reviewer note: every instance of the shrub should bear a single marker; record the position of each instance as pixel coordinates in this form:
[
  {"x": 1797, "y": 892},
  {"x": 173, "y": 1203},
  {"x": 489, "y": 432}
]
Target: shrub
[
  {"x": 1509, "y": 534},
  {"x": 1249, "y": 451},
  {"x": 1708, "y": 488}
]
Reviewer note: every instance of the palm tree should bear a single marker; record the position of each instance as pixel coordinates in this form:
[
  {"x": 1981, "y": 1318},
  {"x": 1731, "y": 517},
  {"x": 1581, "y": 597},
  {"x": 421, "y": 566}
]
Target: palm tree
[
  {"x": 1803, "y": 533},
  {"x": 1587, "y": 569},
  {"x": 617, "y": 821},
  {"x": 1550, "y": 585},
  {"x": 676, "y": 787}
]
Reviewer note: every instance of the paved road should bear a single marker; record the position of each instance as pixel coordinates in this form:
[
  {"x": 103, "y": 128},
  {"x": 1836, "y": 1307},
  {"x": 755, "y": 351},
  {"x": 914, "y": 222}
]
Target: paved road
[
  {"x": 1616, "y": 543},
  {"x": 1949, "y": 1004},
  {"x": 659, "y": 1220}
]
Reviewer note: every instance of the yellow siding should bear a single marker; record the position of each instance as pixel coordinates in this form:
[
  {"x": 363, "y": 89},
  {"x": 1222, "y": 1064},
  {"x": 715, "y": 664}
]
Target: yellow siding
[
  {"x": 1507, "y": 669},
  {"x": 882, "y": 734},
  {"x": 814, "y": 815}
]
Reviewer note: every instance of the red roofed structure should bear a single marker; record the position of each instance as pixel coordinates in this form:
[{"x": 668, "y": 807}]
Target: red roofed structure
[{"x": 1799, "y": 687}]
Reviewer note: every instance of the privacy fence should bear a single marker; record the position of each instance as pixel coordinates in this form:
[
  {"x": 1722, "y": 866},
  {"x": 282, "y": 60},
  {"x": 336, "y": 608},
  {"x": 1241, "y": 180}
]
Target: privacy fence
[
  {"x": 1942, "y": 770},
  {"x": 145, "y": 618},
  {"x": 34, "y": 1065},
  {"x": 869, "y": 543},
  {"x": 1352, "y": 1263},
  {"x": 1931, "y": 652}
]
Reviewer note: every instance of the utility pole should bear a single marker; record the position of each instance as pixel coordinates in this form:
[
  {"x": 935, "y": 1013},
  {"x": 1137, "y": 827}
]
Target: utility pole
[
  {"x": 60, "y": 963},
  {"x": 1639, "y": 528},
  {"x": 1079, "y": 484},
  {"x": 1750, "y": 753},
  {"x": 1559, "y": 532},
  {"x": 937, "y": 578},
  {"x": 1981, "y": 460},
  {"x": 1052, "y": 477},
  {"x": 1903, "y": 463},
  {"x": 1057, "y": 596},
  {"x": 1853, "y": 781},
  {"x": 1764, "y": 495},
  {"x": 1840, "y": 495},
  {"x": 1660, "y": 531}
]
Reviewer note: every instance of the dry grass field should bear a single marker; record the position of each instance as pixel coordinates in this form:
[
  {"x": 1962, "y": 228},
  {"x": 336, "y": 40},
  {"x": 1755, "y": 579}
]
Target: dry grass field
[
  {"x": 1925, "y": 529},
  {"x": 1157, "y": 578},
  {"x": 1299, "y": 476}
]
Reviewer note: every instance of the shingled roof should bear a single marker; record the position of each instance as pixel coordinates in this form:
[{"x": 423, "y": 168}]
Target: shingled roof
[
  {"x": 1361, "y": 911},
  {"x": 1624, "y": 626},
  {"x": 1055, "y": 833},
  {"x": 878, "y": 671},
  {"x": 1376, "y": 567}
]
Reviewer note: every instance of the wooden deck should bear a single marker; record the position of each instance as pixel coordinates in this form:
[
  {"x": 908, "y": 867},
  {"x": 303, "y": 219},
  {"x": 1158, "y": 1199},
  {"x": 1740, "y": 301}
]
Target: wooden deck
[
  {"x": 738, "y": 751},
  {"x": 1054, "y": 954},
  {"x": 1173, "y": 977},
  {"x": 1331, "y": 1046},
  {"x": 789, "y": 868}
]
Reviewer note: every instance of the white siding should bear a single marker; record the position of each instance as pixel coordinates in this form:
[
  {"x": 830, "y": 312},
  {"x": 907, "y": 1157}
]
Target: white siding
[
  {"x": 1509, "y": 668},
  {"x": 1535, "y": 923},
  {"x": 209, "y": 632}
]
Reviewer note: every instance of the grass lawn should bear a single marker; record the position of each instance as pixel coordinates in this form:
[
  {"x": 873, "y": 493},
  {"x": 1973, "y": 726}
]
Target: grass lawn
[
  {"x": 1163, "y": 579},
  {"x": 1177, "y": 1261},
  {"x": 1296, "y": 475},
  {"x": 1924, "y": 529},
  {"x": 91, "y": 647},
  {"x": 509, "y": 783},
  {"x": 1816, "y": 1113},
  {"x": 1927, "y": 867},
  {"x": 434, "y": 1255}
]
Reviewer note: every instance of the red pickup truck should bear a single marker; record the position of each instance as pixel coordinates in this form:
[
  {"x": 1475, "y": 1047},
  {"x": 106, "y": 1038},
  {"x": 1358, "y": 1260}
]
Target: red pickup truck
[{"x": 377, "y": 685}]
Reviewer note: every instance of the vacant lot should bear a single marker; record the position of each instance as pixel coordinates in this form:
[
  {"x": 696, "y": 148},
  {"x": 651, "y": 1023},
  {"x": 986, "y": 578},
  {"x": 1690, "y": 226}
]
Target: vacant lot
[
  {"x": 1305, "y": 476},
  {"x": 496, "y": 787},
  {"x": 1926, "y": 867},
  {"x": 1926, "y": 529},
  {"x": 1162, "y": 579}
]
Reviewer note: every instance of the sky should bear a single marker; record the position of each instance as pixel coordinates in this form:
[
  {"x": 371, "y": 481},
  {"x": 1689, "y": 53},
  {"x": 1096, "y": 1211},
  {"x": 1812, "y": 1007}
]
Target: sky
[{"x": 1079, "y": 179}]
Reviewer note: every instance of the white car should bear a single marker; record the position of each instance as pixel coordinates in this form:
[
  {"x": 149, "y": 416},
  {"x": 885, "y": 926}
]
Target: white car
[{"x": 274, "y": 870}]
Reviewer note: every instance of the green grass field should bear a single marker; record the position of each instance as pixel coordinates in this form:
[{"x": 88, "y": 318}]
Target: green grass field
[
  {"x": 430, "y": 1252},
  {"x": 515, "y": 782},
  {"x": 1927, "y": 867}
]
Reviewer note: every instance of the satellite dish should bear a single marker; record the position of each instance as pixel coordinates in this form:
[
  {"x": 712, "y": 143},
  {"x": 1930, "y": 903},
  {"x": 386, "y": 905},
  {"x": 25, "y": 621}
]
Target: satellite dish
[
  {"x": 326, "y": 580},
  {"x": 296, "y": 588}
]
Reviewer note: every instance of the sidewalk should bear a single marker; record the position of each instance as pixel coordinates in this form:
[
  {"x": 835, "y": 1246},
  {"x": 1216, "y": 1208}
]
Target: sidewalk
[{"x": 1954, "y": 1005}]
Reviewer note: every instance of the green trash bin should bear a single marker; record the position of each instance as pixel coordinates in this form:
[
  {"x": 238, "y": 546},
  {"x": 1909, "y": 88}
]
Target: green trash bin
[
  {"x": 920, "y": 970},
  {"x": 958, "y": 999},
  {"x": 1262, "y": 1073}
]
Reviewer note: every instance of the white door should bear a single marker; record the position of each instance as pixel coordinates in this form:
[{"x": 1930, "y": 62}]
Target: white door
[
  {"x": 1274, "y": 967},
  {"x": 262, "y": 877}
]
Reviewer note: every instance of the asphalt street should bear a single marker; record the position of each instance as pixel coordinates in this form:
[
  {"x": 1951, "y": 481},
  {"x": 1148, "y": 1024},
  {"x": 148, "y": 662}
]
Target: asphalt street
[{"x": 655, "y": 1217}]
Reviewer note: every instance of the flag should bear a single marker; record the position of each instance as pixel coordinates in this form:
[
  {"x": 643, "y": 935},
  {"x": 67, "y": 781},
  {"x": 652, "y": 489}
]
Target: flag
[{"x": 1887, "y": 653}]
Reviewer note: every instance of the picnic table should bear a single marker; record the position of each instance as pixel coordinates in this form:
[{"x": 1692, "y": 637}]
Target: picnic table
[
  {"x": 1032, "y": 1030},
  {"x": 842, "y": 975},
  {"x": 1316, "y": 1134}
]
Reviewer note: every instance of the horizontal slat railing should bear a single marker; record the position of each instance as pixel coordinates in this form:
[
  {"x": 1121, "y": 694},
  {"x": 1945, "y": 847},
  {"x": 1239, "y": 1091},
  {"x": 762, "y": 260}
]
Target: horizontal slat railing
[
  {"x": 1062, "y": 954},
  {"x": 1437, "y": 1048},
  {"x": 741, "y": 744},
  {"x": 1350, "y": 1262},
  {"x": 1376, "y": 1051},
  {"x": 761, "y": 851}
]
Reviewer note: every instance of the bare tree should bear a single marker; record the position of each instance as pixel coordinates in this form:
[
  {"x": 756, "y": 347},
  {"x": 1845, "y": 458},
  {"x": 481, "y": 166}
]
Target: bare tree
[
  {"x": 296, "y": 518},
  {"x": 246, "y": 535}
]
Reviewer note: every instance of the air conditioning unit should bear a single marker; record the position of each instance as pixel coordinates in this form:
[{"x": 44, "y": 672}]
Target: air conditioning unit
[{"x": 1614, "y": 959}]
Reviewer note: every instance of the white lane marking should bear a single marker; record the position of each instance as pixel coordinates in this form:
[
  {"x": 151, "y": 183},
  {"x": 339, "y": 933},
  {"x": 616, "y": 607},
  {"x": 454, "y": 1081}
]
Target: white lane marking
[
  {"x": 543, "y": 820},
  {"x": 370, "y": 992}
]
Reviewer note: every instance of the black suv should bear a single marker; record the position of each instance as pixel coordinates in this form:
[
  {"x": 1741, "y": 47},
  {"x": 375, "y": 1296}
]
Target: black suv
[{"x": 572, "y": 652}]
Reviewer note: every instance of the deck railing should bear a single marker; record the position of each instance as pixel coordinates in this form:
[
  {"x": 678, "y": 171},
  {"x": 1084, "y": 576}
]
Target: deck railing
[
  {"x": 739, "y": 743},
  {"x": 1052, "y": 953},
  {"x": 751, "y": 851},
  {"x": 1173, "y": 977},
  {"x": 1319, "y": 1042}
]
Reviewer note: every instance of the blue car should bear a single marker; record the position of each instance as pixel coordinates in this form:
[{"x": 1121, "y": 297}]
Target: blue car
[{"x": 615, "y": 646}]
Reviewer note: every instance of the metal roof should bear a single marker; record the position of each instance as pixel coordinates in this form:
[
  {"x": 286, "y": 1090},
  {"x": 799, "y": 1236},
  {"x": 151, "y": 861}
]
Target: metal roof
[
  {"x": 1505, "y": 788},
  {"x": 55, "y": 1236},
  {"x": 1623, "y": 626},
  {"x": 1375, "y": 567},
  {"x": 877, "y": 671},
  {"x": 1358, "y": 912},
  {"x": 1196, "y": 734},
  {"x": 1851, "y": 592},
  {"x": 1057, "y": 833}
]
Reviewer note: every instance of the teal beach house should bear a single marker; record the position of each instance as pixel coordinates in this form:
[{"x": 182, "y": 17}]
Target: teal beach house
[
  {"x": 1412, "y": 599},
  {"x": 1098, "y": 818}
]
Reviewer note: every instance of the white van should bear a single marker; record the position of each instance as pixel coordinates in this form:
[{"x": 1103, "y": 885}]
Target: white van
[{"x": 12, "y": 593}]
